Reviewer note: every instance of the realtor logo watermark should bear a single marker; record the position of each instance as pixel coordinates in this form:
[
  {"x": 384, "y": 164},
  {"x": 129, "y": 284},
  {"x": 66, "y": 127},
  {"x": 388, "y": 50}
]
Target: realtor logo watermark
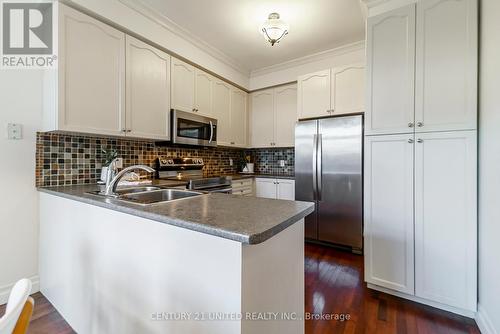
[{"x": 28, "y": 34}]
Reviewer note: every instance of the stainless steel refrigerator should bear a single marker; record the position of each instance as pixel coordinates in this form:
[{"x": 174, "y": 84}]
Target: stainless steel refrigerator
[{"x": 328, "y": 171}]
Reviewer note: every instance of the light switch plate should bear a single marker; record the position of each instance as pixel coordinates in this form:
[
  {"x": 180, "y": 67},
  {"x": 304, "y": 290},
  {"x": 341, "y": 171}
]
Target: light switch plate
[
  {"x": 119, "y": 163},
  {"x": 282, "y": 163},
  {"x": 230, "y": 162},
  {"x": 14, "y": 131}
]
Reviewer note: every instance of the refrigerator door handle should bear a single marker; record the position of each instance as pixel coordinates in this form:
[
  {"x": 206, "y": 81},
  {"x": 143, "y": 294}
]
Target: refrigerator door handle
[
  {"x": 319, "y": 168},
  {"x": 315, "y": 166}
]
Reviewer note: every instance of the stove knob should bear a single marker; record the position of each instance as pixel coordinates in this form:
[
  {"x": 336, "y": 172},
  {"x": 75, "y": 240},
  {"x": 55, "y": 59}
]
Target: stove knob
[
  {"x": 200, "y": 161},
  {"x": 170, "y": 162},
  {"x": 163, "y": 161}
]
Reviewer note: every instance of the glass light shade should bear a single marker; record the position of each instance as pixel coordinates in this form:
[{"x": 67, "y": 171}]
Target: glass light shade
[{"x": 274, "y": 29}]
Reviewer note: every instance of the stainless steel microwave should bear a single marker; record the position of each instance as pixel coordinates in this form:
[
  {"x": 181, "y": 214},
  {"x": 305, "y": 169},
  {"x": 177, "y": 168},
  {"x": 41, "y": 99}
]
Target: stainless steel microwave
[{"x": 192, "y": 129}]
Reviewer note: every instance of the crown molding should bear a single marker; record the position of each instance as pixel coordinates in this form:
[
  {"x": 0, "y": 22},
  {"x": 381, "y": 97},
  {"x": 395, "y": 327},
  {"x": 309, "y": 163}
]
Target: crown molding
[
  {"x": 356, "y": 46},
  {"x": 140, "y": 7}
]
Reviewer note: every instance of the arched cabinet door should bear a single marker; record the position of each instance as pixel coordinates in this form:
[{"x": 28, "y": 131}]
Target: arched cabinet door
[
  {"x": 390, "y": 72},
  {"x": 183, "y": 82},
  {"x": 446, "y": 65},
  {"x": 313, "y": 94},
  {"x": 348, "y": 89}
]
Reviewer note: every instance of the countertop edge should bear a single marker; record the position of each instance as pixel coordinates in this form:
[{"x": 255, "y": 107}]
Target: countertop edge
[{"x": 245, "y": 239}]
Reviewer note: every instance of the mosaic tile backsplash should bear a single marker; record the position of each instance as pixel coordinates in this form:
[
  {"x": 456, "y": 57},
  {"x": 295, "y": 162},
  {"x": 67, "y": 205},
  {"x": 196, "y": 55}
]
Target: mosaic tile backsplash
[{"x": 68, "y": 159}]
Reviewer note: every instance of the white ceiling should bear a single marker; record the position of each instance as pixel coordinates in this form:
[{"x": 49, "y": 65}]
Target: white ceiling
[{"x": 232, "y": 26}]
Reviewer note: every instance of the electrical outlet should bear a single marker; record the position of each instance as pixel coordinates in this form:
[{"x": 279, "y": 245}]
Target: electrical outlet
[
  {"x": 282, "y": 163},
  {"x": 14, "y": 131},
  {"x": 230, "y": 162},
  {"x": 119, "y": 163}
]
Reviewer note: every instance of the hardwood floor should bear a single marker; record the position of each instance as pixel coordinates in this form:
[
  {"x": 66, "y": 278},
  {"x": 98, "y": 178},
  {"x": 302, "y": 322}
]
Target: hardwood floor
[{"x": 334, "y": 284}]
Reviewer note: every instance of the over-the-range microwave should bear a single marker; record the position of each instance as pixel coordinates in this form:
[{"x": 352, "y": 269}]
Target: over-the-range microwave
[{"x": 192, "y": 129}]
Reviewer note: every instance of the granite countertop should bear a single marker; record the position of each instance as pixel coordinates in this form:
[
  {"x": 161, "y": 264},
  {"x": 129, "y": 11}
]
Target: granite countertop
[{"x": 248, "y": 220}]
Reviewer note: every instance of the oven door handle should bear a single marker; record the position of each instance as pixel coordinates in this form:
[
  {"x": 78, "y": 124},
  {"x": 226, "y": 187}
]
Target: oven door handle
[{"x": 211, "y": 132}]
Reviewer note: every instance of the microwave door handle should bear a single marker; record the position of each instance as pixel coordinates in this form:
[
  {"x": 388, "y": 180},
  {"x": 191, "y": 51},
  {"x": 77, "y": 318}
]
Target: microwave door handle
[{"x": 211, "y": 131}]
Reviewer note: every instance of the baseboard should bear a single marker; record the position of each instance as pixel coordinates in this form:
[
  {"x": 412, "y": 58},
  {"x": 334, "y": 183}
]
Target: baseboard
[
  {"x": 5, "y": 290},
  {"x": 459, "y": 311},
  {"x": 483, "y": 321}
]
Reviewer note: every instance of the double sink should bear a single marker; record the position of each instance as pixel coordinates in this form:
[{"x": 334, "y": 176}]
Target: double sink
[{"x": 149, "y": 195}]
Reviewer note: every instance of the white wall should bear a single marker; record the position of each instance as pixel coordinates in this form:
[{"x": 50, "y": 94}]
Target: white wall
[
  {"x": 120, "y": 14},
  {"x": 287, "y": 72},
  {"x": 489, "y": 168},
  {"x": 20, "y": 102}
]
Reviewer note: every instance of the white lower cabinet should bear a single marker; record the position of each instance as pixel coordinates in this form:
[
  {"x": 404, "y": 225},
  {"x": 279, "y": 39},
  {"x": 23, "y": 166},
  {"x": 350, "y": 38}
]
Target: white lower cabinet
[
  {"x": 389, "y": 259},
  {"x": 420, "y": 216},
  {"x": 445, "y": 218},
  {"x": 275, "y": 188}
]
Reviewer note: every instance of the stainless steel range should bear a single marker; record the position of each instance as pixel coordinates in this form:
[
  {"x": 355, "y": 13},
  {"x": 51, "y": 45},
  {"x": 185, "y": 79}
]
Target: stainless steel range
[{"x": 191, "y": 171}]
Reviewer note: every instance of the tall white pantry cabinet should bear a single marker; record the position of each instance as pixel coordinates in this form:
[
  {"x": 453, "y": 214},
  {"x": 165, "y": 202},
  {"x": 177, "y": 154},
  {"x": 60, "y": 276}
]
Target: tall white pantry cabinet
[{"x": 421, "y": 153}]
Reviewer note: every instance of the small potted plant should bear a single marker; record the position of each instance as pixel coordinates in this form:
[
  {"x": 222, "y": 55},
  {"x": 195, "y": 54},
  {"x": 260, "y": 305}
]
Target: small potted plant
[
  {"x": 247, "y": 164},
  {"x": 110, "y": 154}
]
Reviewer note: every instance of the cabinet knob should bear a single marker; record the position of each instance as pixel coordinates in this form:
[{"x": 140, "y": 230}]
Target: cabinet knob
[
  {"x": 420, "y": 140},
  {"x": 410, "y": 141},
  {"x": 410, "y": 125},
  {"x": 420, "y": 124},
  {"x": 232, "y": 143}
]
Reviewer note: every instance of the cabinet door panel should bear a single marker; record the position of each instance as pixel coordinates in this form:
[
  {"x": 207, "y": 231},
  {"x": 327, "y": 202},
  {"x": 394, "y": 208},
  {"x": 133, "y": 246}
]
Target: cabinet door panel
[
  {"x": 91, "y": 75},
  {"x": 238, "y": 118},
  {"x": 348, "y": 89},
  {"x": 445, "y": 218},
  {"x": 446, "y": 72},
  {"x": 266, "y": 188},
  {"x": 203, "y": 93},
  {"x": 390, "y": 72},
  {"x": 148, "y": 87},
  {"x": 285, "y": 107},
  {"x": 262, "y": 118},
  {"x": 389, "y": 255},
  {"x": 221, "y": 106},
  {"x": 183, "y": 81},
  {"x": 314, "y": 94},
  {"x": 286, "y": 189}
]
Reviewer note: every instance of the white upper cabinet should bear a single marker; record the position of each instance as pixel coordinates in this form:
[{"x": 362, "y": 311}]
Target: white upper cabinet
[
  {"x": 148, "y": 88},
  {"x": 285, "y": 106},
  {"x": 238, "y": 118},
  {"x": 183, "y": 86},
  {"x": 221, "y": 110},
  {"x": 389, "y": 238},
  {"x": 446, "y": 65},
  {"x": 390, "y": 72},
  {"x": 262, "y": 106},
  {"x": 314, "y": 94},
  {"x": 445, "y": 217},
  {"x": 91, "y": 77},
  {"x": 274, "y": 114},
  {"x": 203, "y": 93},
  {"x": 348, "y": 89}
]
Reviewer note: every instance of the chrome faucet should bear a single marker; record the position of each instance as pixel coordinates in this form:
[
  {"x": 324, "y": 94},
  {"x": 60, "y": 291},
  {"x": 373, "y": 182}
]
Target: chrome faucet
[{"x": 111, "y": 185}]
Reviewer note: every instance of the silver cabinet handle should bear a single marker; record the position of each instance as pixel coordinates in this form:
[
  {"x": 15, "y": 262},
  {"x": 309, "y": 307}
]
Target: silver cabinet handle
[
  {"x": 410, "y": 141},
  {"x": 410, "y": 125},
  {"x": 420, "y": 140},
  {"x": 420, "y": 124}
]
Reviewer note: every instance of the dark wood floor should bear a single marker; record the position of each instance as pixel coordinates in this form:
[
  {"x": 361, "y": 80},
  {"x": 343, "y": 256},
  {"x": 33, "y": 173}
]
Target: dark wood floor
[{"x": 334, "y": 285}]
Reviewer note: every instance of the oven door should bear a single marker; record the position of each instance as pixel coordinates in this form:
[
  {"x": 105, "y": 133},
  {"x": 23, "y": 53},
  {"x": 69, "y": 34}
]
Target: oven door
[{"x": 191, "y": 129}]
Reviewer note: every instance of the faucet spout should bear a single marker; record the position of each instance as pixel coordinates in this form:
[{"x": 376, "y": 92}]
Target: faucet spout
[{"x": 111, "y": 188}]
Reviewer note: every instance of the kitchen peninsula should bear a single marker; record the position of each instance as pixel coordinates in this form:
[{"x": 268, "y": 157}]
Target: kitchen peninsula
[{"x": 114, "y": 267}]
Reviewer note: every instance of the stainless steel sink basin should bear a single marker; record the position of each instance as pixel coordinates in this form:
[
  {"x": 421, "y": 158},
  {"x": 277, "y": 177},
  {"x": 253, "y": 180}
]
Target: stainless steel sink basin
[
  {"x": 149, "y": 195},
  {"x": 130, "y": 190},
  {"x": 158, "y": 196}
]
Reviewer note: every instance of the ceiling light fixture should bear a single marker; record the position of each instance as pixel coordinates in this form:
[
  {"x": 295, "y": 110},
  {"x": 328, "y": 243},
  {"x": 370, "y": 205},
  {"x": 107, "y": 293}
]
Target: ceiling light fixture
[{"x": 274, "y": 29}]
